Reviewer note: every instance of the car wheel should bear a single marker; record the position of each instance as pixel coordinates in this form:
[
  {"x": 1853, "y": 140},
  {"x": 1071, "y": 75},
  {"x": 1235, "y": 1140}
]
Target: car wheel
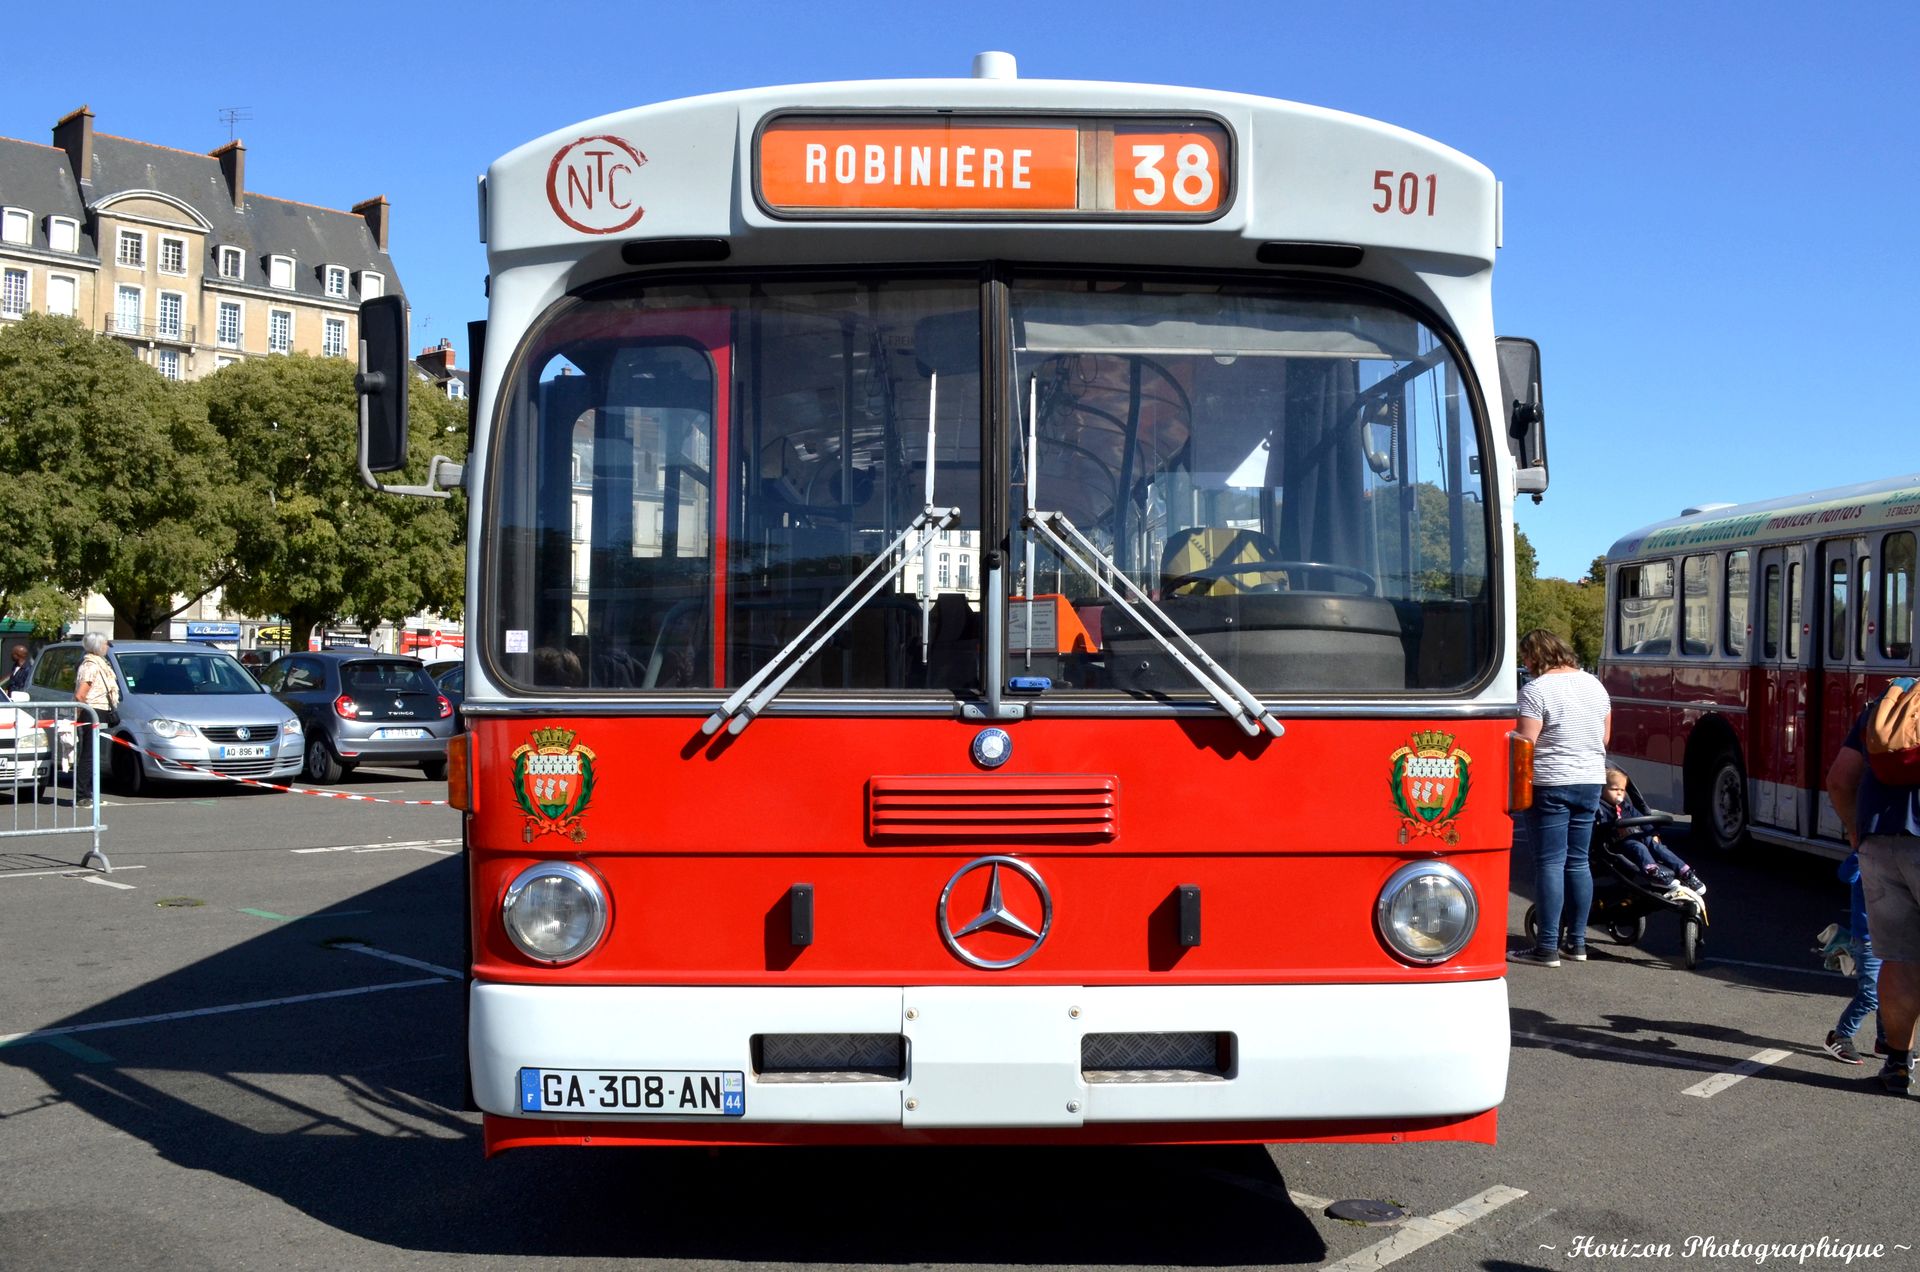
[
  {"x": 129, "y": 774},
  {"x": 322, "y": 766},
  {"x": 435, "y": 770}
]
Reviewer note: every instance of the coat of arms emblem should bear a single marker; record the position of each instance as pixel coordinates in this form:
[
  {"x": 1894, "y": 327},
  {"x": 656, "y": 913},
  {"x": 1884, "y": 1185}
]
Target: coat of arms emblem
[
  {"x": 553, "y": 783},
  {"x": 1429, "y": 782}
]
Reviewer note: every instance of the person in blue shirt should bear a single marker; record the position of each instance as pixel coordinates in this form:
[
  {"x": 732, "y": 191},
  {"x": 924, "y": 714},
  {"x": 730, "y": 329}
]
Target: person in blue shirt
[{"x": 1883, "y": 825}]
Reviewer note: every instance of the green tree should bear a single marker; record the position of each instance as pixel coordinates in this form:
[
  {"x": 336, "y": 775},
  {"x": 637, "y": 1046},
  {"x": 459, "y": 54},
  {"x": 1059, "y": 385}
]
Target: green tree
[
  {"x": 1574, "y": 611},
  {"x": 316, "y": 544},
  {"x": 118, "y": 483}
]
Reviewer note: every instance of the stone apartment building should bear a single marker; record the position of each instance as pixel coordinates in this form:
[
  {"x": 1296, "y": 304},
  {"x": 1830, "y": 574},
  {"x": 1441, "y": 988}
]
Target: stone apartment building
[{"x": 169, "y": 251}]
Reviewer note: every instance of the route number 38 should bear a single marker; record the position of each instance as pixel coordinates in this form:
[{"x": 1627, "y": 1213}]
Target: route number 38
[
  {"x": 1403, "y": 191},
  {"x": 1175, "y": 172}
]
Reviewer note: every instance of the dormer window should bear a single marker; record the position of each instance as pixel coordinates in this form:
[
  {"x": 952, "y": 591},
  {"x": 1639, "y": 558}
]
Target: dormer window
[
  {"x": 372, "y": 284},
  {"x": 280, "y": 272},
  {"x": 233, "y": 264},
  {"x": 337, "y": 281},
  {"x": 63, "y": 234},
  {"x": 16, "y": 226}
]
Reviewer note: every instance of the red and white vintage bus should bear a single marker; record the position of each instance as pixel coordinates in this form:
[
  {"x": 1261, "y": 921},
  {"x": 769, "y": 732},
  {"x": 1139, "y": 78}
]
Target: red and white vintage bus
[
  {"x": 991, "y": 620},
  {"x": 1741, "y": 642}
]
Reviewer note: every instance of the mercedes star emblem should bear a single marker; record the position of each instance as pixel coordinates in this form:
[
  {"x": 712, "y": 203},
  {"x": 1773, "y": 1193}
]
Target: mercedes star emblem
[
  {"x": 996, "y": 915},
  {"x": 991, "y": 747}
]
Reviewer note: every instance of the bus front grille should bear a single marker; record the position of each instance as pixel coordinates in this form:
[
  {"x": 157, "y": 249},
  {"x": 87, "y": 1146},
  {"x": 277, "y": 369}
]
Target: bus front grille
[
  {"x": 1156, "y": 1057},
  {"x": 829, "y": 1057}
]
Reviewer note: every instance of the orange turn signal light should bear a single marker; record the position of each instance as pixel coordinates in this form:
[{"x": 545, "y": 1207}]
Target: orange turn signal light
[
  {"x": 1519, "y": 773},
  {"x": 459, "y": 785}
]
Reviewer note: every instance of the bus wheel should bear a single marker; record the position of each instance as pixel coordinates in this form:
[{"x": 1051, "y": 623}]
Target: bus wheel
[
  {"x": 1693, "y": 939},
  {"x": 1719, "y": 803}
]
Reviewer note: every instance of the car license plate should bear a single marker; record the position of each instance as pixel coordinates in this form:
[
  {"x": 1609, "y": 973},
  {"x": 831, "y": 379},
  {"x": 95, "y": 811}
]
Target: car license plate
[
  {"x": 403, "y": 733},
  {"x": 245, "y": 752},
  {"x": 663, "y": 1092}
]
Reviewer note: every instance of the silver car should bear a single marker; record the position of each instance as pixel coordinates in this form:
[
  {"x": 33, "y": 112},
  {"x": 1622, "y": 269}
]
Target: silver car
[{"x": 191, "y": 714}]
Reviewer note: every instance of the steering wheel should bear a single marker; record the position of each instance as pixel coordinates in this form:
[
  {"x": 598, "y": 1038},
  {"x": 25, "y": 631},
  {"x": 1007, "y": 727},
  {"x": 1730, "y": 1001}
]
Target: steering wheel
[{"x": 1369, "y": 585}]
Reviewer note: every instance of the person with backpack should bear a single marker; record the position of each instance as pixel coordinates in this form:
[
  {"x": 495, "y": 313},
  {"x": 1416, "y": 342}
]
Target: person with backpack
[{"x": 1875, "y": 787}]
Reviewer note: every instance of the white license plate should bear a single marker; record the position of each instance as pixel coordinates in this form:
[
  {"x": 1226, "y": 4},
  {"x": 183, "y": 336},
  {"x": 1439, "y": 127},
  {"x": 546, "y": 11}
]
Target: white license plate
[
  {"x": 401, "y": 733},
  {"x": 662, "y": 1092},
  {"x": 245, "y": 752}
]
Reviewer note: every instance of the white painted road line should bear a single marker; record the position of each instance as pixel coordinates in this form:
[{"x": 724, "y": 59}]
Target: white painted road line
[
  {"x": 419, "y": 845},
  {"x": 36, "y": 1035},
  {"x": 1656, "y": 1057},
  {"x": 69, "y": 871},
  {"x": 404, "y": 961},
  {"x": 1417, "y": 1232},
  {"x": 1739, "y": 1073},
  {"x": 106, "y": 883}
]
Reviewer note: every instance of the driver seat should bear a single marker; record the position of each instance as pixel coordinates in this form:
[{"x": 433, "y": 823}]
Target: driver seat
[{"x": 1196, "y": 548}]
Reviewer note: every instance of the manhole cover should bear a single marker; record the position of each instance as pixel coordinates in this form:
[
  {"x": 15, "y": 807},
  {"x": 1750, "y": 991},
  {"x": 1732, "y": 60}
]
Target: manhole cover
[
  {"x": 179, "y": 903},
  {"x": 1369, "y": 1212}
]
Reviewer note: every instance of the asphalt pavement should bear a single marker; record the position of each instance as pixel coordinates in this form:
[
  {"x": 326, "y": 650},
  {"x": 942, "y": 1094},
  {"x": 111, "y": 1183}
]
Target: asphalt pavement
[{"x": 242, "y": 1049}]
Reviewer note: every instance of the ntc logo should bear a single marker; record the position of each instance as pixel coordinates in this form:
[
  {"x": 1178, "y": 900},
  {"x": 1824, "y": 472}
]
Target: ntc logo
[{"x": 590, "y": 184}]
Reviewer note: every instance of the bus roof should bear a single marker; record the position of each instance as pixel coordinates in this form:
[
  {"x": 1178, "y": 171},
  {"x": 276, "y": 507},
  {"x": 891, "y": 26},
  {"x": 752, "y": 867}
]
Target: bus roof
[
  {"x": 690, "y": 170},
  {"x": 1866, "y": 506}
]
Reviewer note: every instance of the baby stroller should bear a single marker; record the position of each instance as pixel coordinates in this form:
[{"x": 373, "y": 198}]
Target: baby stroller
[{"x": 1624, "y": 894}]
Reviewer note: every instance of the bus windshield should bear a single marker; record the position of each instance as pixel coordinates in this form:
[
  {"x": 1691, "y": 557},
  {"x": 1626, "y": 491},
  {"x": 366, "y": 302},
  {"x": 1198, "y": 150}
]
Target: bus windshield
[{"x": 687, "y": 474}]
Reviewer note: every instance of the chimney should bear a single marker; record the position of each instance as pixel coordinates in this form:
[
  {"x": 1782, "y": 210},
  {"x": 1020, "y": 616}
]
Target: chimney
[
  {"x": 439, "y": 360},
  {"x": 374, "y": 211},
  {"x": 233, "y": 166},
  {"x": 74, "y": 134}
]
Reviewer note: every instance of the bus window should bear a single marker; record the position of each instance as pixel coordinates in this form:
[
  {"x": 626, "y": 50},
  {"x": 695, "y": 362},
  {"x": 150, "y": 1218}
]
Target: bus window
[
  {"x": 1735, "y": 640},
  {"x": 1896, "y": 595},
  {"x": 1793, "y": 612},
  {"x": 1696, "y": 605},
  {"x": 1837, "y": 610},
  {"x": 1770, "y": 620},
  {"x": 1644, "y": 621},
  {"x": 1863, "y": 571}
]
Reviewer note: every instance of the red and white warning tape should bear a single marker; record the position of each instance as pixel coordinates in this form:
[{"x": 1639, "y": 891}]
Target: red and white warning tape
[{"x": 270, "y": 786}]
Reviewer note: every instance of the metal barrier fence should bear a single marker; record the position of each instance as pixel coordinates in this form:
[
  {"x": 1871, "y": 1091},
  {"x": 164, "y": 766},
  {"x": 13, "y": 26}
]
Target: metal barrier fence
[{"x": 45, "y": 747}]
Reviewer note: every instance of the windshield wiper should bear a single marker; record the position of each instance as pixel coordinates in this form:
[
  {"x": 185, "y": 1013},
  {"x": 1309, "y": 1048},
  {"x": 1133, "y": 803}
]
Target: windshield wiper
[
  {"x": 751, "y": 698},
  {"x": 1231, "y": 696}
]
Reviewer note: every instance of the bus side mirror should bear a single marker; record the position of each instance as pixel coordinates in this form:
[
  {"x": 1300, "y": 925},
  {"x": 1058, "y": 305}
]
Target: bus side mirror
[
  {"x": 382, "y": 385},
  {"x": 1526, "y": 415},
  {"x": 384, "y": 377}
]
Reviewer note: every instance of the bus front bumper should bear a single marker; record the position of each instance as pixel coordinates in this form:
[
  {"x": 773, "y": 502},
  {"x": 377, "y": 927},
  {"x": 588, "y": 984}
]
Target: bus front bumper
[{"x": 1004, "y": 1056}]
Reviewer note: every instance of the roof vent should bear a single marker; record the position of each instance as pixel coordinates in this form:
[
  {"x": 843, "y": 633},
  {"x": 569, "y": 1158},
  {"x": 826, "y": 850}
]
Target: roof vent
[
  {"x": 1697, "y": 509},
  {"x": 995, "y": 66}
]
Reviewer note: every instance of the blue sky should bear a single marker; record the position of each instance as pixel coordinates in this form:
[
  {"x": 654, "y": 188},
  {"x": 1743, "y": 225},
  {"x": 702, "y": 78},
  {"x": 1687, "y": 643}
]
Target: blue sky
[{"x": 1709, "y": 207}]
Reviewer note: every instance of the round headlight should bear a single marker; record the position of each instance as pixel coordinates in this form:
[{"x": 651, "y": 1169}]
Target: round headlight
[
  {"x": 556, "y": 911},
  {"x": 1427, "y": 912}
]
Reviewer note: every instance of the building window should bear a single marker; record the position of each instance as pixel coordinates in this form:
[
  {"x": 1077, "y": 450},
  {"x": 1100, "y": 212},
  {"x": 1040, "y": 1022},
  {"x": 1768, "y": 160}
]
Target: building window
[
  {"x": 279, "y": 331},
  {"x": 126, "y": 310},
  {"x": 173, "y": 255},
  {"x": 62, "y": 294},
  {"x": 280, "y": 272},
  {"x": 168, "y": 361},
  {"x": 372, "y": 284},
  {"x": 13, "y": 293},
  {"x": 334, "y": 342},
  {"x": 965, "y": 578},
  {"x": 1735, "y": 638},
  {"x": 229, "y": 328},
  {"x": 337, "y": 281},
  {"x": 133, "y": 249},
  {"x": 946, "y": 569},
  {"x": 232, "y": 263},
  {"x": 63, "y": 234},
  {"x": 171, "y": 309},
  {"x": 455, "y": 389},
  {"x": 223, "y": 361},
  {"x": 16, "y": 226}
]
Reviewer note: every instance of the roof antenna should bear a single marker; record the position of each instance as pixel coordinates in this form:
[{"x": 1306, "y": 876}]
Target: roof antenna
[{"x": 231, "y": 115}]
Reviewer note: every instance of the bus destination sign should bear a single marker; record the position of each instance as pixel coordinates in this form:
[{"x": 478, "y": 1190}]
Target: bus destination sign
[{"x": 892, "y": 165}]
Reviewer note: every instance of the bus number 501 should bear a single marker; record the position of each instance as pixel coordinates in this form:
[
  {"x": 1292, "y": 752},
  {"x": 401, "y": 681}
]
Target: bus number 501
[
  {"x": 1189, "y": 176},
  {"x": 1402, "y": 190}
]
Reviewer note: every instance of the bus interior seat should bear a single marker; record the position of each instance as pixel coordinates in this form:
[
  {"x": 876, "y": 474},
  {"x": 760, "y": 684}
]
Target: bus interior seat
[{"x": 1197, "y": 548}]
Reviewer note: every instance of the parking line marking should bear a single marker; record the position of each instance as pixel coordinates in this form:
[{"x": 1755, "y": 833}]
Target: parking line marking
[
  {"x": 1739, "y": 1073},
  {"x": 106, "y": 882},
  {"x": 61, "y": 1031},
  {"x": 1681, "y": 1062},
  {"x": 69, "y": 871},
  {"x": 1417, "y": 1231},
  {"x": 295, "y": 918},
  {"x": 404, "y": 961},
  {"x": 422, "y": 845}
]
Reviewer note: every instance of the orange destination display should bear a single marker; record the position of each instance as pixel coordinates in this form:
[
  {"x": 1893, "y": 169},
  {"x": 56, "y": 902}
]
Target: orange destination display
[{"x": 893, "y": 165}]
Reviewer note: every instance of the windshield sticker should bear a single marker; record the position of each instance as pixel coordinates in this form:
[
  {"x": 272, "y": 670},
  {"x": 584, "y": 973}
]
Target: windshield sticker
[
  {"x": 590, "y": 184},
  {"x": 1429, "y": 783},
  {"x": 553, "y": 783}
]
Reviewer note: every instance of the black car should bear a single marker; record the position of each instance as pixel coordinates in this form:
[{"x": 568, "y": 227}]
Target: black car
[
  {"x": 361, "y": 706},
  {"x": 452, "y": 679}
]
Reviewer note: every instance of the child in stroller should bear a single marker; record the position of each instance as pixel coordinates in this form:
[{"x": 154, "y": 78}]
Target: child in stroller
[{"x": 1660, "y": 867}]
